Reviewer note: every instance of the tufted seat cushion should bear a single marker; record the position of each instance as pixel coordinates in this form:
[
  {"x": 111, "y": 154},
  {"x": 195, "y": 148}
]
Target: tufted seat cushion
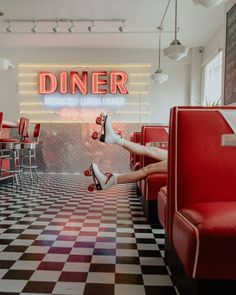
[{"x": 204, "y": 231}]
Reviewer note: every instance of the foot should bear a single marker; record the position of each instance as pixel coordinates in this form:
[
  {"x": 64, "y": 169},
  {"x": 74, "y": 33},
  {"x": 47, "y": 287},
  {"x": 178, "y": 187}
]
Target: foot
[
  {"x": 103, "y": 181},
  {"x": 109, "y": 136}
]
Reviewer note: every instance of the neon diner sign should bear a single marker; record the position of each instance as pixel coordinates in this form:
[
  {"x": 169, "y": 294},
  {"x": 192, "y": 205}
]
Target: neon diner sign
[{"x": 100, "y": 82}]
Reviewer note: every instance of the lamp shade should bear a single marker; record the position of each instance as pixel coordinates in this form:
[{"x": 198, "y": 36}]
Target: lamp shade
[
  {"x": 159, "y": 77},
  {"x": 176, "y": 51},
  {"x": 5, "y": 64},
  {"x": 208, "y": 3}
]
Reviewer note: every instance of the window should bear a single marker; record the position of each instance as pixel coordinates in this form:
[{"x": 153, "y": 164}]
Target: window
[{"x": 212, "y": 81}]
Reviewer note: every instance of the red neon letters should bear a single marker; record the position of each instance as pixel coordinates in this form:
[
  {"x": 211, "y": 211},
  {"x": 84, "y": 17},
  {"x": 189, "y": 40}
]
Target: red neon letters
[{"x": 49, "y": 83}]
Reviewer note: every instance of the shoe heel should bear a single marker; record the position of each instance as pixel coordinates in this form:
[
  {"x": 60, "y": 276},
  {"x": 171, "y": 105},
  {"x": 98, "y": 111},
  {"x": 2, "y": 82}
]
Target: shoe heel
[{"x": 102, "y": 138}]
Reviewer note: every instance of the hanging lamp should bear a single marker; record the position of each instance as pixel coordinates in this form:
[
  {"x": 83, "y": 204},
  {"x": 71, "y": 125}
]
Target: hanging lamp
[
  {"x": 5, "y": 64},
  {"x": 176, "y": 51},
  {"x": 159, "y": 77}
]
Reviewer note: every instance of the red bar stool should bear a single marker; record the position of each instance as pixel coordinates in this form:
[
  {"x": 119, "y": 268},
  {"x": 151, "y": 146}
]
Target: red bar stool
[
  {"x": 10, "y": 150},
  {"x": 29, "y": 152}
]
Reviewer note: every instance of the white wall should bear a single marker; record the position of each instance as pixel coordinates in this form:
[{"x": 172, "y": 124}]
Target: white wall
[
  {"x": 171, "y": 93},
  {"x": 174, "y": 92},
  {"x": 213, "y": 46},
  {"x": 195, "y": 76}
]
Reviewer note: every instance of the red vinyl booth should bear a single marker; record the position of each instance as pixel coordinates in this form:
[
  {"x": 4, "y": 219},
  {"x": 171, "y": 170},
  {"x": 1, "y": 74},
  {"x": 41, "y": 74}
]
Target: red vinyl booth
[
  {"x": 131, "y": 138},
  {"x": 136, "y": 158},
  {"x": 162, "y": 206},
  {"x": 149, "y": 187},
  {"x": 198, "y": 209}
]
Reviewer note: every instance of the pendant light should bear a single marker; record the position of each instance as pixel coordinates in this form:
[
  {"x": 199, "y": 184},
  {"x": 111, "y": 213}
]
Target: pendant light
[
  {"x": 176, "y": 50},
  {"x": 5, "y": 64},
  {"x": 208, "y": 3},
  {"x": 158, "y": 76}
]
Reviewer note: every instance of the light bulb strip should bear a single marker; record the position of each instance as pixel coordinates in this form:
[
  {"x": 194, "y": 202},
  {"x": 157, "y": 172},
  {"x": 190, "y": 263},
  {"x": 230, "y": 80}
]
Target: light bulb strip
[
  {"x": 38, "y": 112},
  {"x": 27, "y": 83},
  {"x": 132, "y": 113},
  {"x": 84, "y": 66},
  {"x": 27, "y": 74},
  {"x": 28, "y": 92},
  {"x": 56, "y": 113},
  {"x": 138, "y": 83},
  {"x": 139, "y": 74},
  {"x": 138, "y": 92},
  {"x": 31, "y": 103},
  {"x": 42, "y": 104}
]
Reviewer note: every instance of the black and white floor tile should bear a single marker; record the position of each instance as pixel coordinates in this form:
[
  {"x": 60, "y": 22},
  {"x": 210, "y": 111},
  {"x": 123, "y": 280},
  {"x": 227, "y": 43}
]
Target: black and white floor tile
[{"x": 57, "y": 238}]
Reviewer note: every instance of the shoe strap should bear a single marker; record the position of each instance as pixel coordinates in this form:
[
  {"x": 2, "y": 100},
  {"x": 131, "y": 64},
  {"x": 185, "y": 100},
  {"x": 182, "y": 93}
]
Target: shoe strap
[{"x": 109, "y": 175}]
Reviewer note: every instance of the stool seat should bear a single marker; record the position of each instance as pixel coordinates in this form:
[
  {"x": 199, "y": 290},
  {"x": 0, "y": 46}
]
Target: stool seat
[
  {"x": 28, "y": 146},
  {"x": 3, "y": 140},
  {"x": 29, "y": 141}
]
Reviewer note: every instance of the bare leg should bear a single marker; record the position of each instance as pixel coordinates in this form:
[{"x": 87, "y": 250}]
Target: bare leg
[
  {"x": 138, "y": 149},
  {"x": 110, "y": 137},
  {"x": 109, "y": 179},
  {"x": 160, "y": 167}
]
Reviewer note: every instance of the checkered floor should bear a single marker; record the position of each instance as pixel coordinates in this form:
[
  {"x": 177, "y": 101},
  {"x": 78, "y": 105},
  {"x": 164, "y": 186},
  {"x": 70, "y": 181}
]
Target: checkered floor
[{"x": 57, "y": 238}]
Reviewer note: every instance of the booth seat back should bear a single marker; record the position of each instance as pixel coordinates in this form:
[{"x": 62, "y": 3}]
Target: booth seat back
[
  {"x": 199, "y": 168},
  {"x": 131, "y": 138},
  {"x": 137, "y": 139},
  {"x": 1, "y": 121},
  {"x": 154, "y": 134}
]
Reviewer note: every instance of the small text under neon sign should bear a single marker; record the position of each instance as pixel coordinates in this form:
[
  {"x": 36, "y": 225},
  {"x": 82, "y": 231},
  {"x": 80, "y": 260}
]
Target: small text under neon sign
[{"x": 58, "y": 100}]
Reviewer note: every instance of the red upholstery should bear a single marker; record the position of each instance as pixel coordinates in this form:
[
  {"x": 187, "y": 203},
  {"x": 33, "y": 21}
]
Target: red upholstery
[
  {"x": 201, "y": 203},
  {"x": 36, "y": 134},
  {"x": 153, "y": 184},
  {"x": 150, "y": 186},
  {"x": 137, "y": 139},
  {"x": 1, "y": 121},
  {"x": 27, "y": 140},
  {"x": 23, "y": 127},
  {"x": 37, "y": 130},
  {"x": 5, "y": 163},
  {"x": 131, "y": 138},
  {"x": 162, "y": 205},
  {"x": 4, "y": 140},
  {"x": 151, "y": 134}
]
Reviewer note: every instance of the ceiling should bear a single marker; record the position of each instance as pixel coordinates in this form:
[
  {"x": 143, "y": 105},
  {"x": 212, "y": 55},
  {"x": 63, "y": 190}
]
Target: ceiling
[{"x": 196, "y": 24}]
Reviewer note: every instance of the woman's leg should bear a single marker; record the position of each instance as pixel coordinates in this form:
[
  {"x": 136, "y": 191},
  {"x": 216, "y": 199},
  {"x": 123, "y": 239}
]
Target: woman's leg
[
  {"x": 109, "y": 179},
  {"x": 142, "y": 150},
  {"x": 160, "y": 167},
  {"x": 111, "y": 137}
]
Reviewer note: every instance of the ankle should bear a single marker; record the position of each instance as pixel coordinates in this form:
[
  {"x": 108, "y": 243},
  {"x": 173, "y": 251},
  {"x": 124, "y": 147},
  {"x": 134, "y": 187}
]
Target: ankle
[
  {"x": 115, "y": 175},
  {"x": 120, "y": 140}
]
